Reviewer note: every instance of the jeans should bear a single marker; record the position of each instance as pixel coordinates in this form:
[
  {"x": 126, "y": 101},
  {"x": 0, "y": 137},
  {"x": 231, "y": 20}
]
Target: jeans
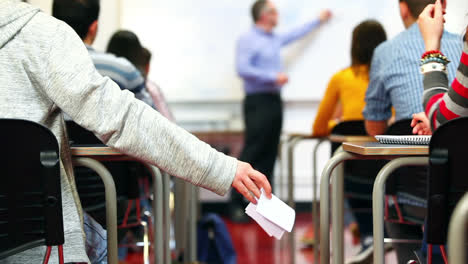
[{"x": 96, "y": 240}]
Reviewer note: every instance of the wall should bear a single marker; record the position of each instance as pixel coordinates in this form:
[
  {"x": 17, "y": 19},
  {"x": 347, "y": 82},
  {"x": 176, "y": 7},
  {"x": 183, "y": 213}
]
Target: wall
[{"x": 109, "y": 19}]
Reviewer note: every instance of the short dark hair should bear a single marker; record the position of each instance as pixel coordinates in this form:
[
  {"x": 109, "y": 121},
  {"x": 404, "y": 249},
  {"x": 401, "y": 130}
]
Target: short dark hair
[
  {"x": 78, "y": 14},
  {"x": 366, "y": 37},
  {"x": 257, "y": 9},
  {"x": 417, "y": 6},
  {"x": 126, "y": 44},
  {"x": 146, "y": 56}
]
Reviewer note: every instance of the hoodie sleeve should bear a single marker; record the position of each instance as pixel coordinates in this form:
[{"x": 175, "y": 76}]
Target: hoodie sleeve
[{"x": 125, "y": 123}]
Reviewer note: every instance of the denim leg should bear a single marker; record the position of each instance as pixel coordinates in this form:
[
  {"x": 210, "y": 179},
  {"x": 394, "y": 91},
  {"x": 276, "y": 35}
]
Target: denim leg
[{"x": 96, "y": 240}]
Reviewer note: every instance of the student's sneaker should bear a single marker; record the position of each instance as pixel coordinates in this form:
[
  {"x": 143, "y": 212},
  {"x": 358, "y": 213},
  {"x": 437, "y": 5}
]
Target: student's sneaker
[{"x": 365, "y": 255}]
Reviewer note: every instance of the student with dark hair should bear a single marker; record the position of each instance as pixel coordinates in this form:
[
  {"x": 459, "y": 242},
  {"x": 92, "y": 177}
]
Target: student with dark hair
[
  {"x": 258, "y": 63},
  {"x": 154, "y": 89},
  {"x": 46, "y": 72},
  {"x": 82, "y": 16},
  {"x": 395, "y": 81},
  {"x": 126, "y": 44},
  {"x": 347, "y": 88},
  {"x": 346, "y": 91}
]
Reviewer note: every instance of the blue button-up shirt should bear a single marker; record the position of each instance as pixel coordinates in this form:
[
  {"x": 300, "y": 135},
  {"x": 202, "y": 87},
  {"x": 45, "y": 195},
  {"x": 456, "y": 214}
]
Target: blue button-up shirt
[
  {"x": 258, "y": 59},
  {"x": 395, "y": 78}
]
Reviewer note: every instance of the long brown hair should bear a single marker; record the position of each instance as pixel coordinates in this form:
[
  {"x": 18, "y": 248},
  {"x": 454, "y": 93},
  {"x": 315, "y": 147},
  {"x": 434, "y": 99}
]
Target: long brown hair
[{"x": 366, "y": 37}]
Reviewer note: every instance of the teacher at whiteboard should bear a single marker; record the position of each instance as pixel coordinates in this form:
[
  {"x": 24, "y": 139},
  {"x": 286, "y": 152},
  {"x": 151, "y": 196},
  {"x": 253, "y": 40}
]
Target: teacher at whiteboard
[{"x": 258, "y": 63}]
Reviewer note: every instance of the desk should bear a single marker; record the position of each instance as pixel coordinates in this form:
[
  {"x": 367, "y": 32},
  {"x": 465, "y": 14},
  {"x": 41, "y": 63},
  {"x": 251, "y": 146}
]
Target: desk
[
  {"x": 400, "y": 156},
  {"x": 457, "y": 232},
  {"x": 90, "y": 157},
  {"x": 291, "y": 142}
]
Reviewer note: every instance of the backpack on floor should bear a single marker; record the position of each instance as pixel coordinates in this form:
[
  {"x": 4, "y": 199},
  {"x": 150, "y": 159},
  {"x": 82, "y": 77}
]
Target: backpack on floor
[{"x": 214, "y": 241}]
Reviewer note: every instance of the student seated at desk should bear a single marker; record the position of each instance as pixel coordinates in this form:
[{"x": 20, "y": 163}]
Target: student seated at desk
[
  {"x": 441, "y": 101},
  {"x": 344, "y": 97},
  {"x": 126, "y": 44},
  {"x": 82, "y": 16},
  {"x": 47, "y": 71}
]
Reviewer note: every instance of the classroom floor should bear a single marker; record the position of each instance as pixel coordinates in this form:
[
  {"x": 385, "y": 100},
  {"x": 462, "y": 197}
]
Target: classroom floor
[{"x": 254, "y": 246}]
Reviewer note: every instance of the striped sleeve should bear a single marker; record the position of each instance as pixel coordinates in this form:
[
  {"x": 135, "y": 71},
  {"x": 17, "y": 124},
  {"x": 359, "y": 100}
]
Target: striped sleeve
[{"x": 442, "y": 103}]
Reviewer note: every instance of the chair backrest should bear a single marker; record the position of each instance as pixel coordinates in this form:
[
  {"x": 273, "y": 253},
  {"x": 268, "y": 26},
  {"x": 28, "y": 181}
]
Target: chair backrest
[
  {"x": 90, "y": 186},
  {"x": 80, "y": 136},
  {"x": 400, "y": 128},
  {"x": 447, "y": 176},
  {"x": 400, "y": 182},
  {"x": 348, "y": 128},
  {"x": 30, "y": 192}
]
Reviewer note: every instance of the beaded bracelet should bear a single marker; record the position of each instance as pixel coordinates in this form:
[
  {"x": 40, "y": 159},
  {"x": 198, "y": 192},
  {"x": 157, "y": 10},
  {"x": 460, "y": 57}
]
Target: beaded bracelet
[
  {"x": 434, "y": 56},
  {"x": 431, "y": 52}
]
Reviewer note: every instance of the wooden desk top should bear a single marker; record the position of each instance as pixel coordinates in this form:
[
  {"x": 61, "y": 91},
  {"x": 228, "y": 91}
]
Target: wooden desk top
[
  {"x": 303, "y": 135},
  {"x": 377, "y": 149},
  {"x": 342, "y": 139},
  {"x": 94, "y": 151}
]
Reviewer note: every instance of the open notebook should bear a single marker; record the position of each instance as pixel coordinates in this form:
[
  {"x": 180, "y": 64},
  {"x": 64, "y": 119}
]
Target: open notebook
[{"x": 404, "y": 140}]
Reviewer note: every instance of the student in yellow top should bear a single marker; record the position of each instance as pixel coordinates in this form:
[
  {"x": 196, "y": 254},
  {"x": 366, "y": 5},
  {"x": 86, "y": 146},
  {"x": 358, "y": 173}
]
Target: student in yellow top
[{"x": 344, "y": 97}]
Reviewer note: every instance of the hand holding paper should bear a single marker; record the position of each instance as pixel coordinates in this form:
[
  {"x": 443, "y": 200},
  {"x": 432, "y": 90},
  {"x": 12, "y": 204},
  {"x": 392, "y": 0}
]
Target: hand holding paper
[{"x": 273, "y": 215}]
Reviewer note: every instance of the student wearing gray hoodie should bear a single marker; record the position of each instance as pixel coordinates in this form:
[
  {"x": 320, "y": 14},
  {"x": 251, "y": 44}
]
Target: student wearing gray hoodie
[{"x": 45, "y": 71}]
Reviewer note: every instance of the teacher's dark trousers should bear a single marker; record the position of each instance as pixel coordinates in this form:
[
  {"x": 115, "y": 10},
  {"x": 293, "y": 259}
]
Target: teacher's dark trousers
[{"x": 263, "y": 118}]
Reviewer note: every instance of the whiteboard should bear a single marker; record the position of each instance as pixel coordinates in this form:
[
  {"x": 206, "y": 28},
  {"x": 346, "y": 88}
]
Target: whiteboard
[{"x": 193, "y": 42}]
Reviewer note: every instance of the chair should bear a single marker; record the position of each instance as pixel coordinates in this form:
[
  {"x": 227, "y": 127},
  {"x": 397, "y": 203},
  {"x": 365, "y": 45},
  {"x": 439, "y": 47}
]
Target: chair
[
  {"x": 447, "y": 179},
  {"x": 398, "y": 182},
  {"x": 126, "y": 174},
  {"x": 30, "y": 193}
]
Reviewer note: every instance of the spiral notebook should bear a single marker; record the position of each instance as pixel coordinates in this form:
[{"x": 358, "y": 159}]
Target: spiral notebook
[{"x": 404, "y": 140}]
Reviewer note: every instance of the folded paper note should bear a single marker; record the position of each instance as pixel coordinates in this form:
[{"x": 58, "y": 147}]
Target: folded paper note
[{"x": 273, "y": 215}]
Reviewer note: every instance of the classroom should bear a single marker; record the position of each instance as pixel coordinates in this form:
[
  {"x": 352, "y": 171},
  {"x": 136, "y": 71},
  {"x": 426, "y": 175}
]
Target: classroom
[{"x": 225, "y": 132}]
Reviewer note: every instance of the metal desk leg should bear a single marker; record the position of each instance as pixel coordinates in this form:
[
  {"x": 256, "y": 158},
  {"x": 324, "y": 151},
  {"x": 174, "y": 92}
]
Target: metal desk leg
[
  {"x": 338, "y": 214},
  {"x": 191, "y": 248},
  {"x": 315, "y": 215},
  {"x": 292, "y": 235},
  {"x": 111, "y": 204},
  {"x": 338, "y": 158},
  {"x": 180, "y": 214},
  {"x": 378, "y": 200},
  {"x": 167, "y": 216},
  {"x": 158, "y": 214},
  {"x": 457, "y": 232},
  {"x": 291, "y": 146}
]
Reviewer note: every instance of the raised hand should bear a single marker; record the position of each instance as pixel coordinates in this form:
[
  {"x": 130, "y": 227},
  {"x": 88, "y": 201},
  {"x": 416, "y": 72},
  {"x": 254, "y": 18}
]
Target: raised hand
[
  {"x": 325, "y": 15},
  {"x": 431, "y": 24},
  {"x": 282, "y": 79}
]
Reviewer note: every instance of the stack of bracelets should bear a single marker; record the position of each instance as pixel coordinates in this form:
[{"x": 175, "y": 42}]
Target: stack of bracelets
[{"x": 433, "y": 60}]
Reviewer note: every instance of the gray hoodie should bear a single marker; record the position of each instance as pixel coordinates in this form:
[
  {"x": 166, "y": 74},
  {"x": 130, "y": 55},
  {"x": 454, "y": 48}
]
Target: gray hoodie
[{"x": 45, "y": 71}]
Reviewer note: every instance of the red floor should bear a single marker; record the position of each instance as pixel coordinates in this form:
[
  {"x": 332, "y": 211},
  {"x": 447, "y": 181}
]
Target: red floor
[{"x": 254, "y": 246}]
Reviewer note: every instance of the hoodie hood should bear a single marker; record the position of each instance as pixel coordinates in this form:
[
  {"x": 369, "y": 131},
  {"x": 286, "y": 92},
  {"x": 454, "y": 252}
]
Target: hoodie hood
[{"x": 14, "y": 15}]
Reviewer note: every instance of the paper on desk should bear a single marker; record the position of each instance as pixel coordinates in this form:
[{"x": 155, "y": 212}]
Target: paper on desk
[{"x": 274, "y": 216}]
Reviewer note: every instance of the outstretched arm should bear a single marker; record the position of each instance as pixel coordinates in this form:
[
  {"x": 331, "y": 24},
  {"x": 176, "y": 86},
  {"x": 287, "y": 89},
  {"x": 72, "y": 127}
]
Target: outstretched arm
[
  {"x": 131, "y": 126},
  {"x": 303, "y": 30}
]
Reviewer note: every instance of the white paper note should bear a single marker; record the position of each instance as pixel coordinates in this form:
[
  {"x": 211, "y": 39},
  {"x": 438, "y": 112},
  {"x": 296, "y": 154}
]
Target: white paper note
[
  {"x": 270, "y": 228},
  {"x": 276, "y": 211},
  {"x": 273, "y": 215}
]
